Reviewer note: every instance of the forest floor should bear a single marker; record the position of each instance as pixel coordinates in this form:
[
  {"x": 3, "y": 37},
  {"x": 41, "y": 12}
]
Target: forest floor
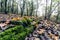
[
  {"x": 4, "y": 17},
  {"x": 46, "y": 30}
]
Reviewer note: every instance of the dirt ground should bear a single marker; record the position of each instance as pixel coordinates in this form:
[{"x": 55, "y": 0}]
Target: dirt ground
[{"x": 4, "y": 17}]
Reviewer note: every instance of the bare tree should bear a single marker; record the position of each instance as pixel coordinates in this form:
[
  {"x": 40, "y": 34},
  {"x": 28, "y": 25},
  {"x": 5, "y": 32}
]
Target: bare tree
[
  {"x": 57, "y": 17},
  {"x": 5, "y": 6},
  {"x": 31, "y": 8},
  {"x": 46, "y": 11},
  {"x": 49, "y": 11},
  {"x": 37, "y": 8},
  {"x": 22, "y": 8}
]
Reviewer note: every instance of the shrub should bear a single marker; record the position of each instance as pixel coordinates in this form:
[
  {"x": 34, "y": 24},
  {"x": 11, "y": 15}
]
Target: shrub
[
  {"x": 29, "y": 20},
  {"x": 16, "y": 29},
  {"x": 24, "y": 23},
  {"x": 21, "y": 34},
  {"x": 15, "y": 22}
]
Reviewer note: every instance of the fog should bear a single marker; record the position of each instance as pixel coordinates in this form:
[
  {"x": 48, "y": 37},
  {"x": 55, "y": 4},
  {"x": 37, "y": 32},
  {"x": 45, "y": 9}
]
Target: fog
[{"x": 41, "y": 8}]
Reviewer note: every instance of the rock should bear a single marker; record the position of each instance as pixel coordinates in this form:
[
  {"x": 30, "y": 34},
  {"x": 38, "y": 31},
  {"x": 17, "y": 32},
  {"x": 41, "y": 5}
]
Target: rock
[
  {"x": 37, "y": 39},
  {"x": 27, "y": 38},
  {"x": 41, "y": 31},
  {"x": 46, "y": 30},
  {"x": 35, "y": 34}
]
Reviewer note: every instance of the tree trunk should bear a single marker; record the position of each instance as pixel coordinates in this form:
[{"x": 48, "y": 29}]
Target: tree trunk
[
  {"x": 31, "y": 11},
  {"x": 5, "y": 6},
  {"x": 57, "y": 17},
  {"x": 46, "y": 11},
  {"x": 22, "y": 8}
]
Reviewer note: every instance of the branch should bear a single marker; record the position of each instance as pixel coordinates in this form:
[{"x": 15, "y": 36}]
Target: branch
[{"x": 54, "y": 9}]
